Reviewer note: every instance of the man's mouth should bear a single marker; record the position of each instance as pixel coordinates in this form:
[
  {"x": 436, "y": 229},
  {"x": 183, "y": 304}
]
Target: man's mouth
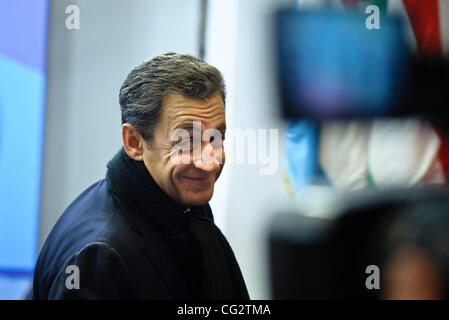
[
  {"x": 205, "y": 178},
  {"x": 198, "y": 183}
]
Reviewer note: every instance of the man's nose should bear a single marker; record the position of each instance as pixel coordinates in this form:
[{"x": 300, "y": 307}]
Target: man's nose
[{"x": 208, "y": 160}]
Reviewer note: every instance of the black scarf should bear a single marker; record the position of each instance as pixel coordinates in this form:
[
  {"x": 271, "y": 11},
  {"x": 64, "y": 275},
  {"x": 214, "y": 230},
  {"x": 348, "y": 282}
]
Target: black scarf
[{"x": 205, "y": 257}]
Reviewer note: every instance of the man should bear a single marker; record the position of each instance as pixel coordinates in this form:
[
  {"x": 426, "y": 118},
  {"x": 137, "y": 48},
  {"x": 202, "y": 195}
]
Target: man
[{"x": 147, "y": 230}]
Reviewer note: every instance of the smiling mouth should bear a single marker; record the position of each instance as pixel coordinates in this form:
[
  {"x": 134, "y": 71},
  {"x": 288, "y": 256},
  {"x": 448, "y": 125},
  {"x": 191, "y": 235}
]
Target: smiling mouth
[
  {"x": 198, "y": 182},
  {"x": 199, "y": 179}
]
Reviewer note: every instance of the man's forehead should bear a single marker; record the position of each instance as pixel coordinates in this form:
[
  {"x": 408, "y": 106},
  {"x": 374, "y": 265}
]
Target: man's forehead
[
  {"x": 178, "y": 101},
  {"x": 183, "y": 112}
]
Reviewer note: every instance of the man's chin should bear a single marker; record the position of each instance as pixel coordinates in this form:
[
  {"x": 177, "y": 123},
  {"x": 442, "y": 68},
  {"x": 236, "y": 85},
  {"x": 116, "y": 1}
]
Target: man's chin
[{"x": 197, "y": 199}]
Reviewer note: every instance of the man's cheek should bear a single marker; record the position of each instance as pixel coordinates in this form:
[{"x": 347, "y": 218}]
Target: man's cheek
[
  {"x": 219, "y": 171},
  {"x": 179, "y": 170},
  {"x": 223, "y": 157},
  {"x": 222, "y": 162},
  {"x": 179, "y": 155},
  {"x": 219, "y": 156}
]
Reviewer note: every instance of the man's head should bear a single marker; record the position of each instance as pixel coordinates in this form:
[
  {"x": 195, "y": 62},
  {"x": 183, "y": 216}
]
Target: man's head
[{"x": 165, "y": 94}]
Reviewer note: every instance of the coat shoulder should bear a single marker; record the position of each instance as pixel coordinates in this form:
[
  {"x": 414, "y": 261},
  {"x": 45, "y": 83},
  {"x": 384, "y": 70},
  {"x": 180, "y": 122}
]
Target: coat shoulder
[{"x": 93, "y": 218}]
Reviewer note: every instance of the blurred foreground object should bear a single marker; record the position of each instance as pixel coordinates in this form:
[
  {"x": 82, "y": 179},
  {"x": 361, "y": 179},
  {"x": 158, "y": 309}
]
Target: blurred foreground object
[
  {"x": 331, "y": 66},
  {"x": 313, "y": 258},
  {"x": 382, "y": 111},
  {"x": 381, "y": 153}
]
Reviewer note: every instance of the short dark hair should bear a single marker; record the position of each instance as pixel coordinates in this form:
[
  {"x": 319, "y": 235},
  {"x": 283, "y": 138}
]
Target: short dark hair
[{"x": 146, "y": 86}]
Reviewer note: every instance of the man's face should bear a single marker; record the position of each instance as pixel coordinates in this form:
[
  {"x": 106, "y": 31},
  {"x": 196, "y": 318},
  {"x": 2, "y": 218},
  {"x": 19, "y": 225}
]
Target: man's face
[{"x": 188, "y": 182}]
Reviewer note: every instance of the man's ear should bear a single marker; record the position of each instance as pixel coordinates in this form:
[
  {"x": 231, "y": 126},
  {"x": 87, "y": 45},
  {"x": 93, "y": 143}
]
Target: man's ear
[{"x": 132, "y": 142}]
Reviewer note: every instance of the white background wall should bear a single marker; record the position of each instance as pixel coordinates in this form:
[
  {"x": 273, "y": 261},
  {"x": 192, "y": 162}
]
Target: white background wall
[{"x": 239, "y": 44}]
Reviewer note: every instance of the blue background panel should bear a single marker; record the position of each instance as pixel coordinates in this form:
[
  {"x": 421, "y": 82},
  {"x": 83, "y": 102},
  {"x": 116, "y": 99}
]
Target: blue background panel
[
  {"x": 23, "y": 33},
  {"x": 22, "y": 105}
]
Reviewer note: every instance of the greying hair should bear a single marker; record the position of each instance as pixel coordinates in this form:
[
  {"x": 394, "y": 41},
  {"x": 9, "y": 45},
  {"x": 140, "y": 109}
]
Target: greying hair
[{"x": 146, "y": 86}]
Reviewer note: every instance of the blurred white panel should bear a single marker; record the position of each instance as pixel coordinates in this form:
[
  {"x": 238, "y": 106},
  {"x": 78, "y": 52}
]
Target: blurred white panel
[
  {"x": 400, "y": 152},
  {"x": 221, "y": 41},
  {"x": 239, "y": 44}
]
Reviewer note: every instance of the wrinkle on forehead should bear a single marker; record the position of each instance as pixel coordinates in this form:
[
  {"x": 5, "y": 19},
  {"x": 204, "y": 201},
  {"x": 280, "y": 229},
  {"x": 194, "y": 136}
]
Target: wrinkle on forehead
[{"x": 179, "y": 109}]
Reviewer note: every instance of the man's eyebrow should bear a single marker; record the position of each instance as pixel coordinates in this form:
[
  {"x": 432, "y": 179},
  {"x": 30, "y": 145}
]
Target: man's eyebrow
[
  {"x": 189, "y": 126},
  {"x": 186, "y": 126}
]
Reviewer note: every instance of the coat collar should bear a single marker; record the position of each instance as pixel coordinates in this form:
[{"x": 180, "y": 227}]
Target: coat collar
[
  {"x": 131, "y": 181},
  {"x": 150, "y": 211},
  {"x": 192, "y": 252}
]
